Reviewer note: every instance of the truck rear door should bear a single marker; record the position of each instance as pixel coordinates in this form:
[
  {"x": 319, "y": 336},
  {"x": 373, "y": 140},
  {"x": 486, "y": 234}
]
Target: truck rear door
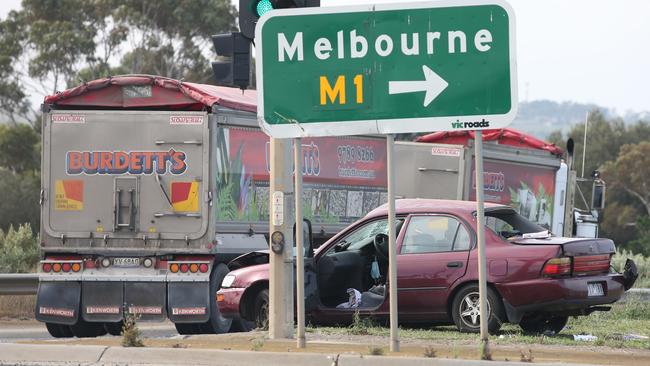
[{"x": 125, "y": 179}]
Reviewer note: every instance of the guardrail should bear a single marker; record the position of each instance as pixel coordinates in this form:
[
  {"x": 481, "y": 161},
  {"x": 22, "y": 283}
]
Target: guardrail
[
  {"x": 18, "y": 283},
  {"x": 27, "y": 284}
]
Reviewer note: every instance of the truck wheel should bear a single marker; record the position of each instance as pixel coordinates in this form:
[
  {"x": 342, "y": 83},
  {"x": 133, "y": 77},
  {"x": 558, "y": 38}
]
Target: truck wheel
[
  {"x": 188, "y": 328},
  {"x": 261, "y": 310},
  {"x": 541, "y": 324},
  {"x": 465, "y": 310},
  {"x": 58, "y": 330},
  {"x": 84, "y": 329},
  {"x": 114, "y": 329},
  {"x": 242, "y": 325},
  {"x": 218, "y": 323}
]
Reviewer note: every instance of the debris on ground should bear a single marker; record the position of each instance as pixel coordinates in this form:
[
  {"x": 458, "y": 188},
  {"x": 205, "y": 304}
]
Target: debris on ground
[{"x": 584, "y": 337}]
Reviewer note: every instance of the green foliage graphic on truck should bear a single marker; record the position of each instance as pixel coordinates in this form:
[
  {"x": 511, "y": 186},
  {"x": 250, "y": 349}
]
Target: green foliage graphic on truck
[{"x": 344, "y": 178}]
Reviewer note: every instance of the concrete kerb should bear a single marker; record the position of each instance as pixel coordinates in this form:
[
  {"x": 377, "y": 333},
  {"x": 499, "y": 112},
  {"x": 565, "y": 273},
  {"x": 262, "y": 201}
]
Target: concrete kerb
[{"x": 66, "y": 354}]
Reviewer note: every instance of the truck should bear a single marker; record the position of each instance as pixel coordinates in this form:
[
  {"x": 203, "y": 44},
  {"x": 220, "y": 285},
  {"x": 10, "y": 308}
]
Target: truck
[{"x": 151, "y": 186}]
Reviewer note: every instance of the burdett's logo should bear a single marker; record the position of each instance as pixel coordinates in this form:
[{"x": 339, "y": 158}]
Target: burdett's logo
[{"x": 121, "y": 162}]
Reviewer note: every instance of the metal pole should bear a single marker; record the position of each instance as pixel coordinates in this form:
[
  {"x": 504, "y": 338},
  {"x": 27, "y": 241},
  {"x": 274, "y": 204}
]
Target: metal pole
[
  {"x": 281, "y": 264},
  {"x": 300, "y": 263},
  {"x": 480, "y": 233},
  {"x": 584, "y": 146},
  {"x": 392, "y": 247}
]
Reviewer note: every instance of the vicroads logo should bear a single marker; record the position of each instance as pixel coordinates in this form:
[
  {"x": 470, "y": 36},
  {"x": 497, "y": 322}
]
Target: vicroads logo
[{"x": 470, "y": 124}]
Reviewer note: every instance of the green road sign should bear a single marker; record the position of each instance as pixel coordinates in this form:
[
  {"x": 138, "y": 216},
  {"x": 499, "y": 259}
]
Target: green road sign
[{"x": 417, "y": 67}]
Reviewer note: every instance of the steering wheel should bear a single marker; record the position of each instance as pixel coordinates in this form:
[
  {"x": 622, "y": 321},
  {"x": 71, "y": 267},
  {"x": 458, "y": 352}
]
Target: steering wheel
[{"x": 381, "y": 246}]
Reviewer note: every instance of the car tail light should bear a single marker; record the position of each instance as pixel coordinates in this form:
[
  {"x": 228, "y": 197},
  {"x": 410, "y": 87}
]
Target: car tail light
[
  {"x": 47, "y": 267},
  {"x": 557, "y": 267},
  {"x": 66, "y": 267},
  {"x": 173, "y": 268},
  {"x": 203, "y": 268}
]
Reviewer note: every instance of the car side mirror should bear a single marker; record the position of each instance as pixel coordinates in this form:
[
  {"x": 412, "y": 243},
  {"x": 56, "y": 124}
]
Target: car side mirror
[{"x": 307, "y": 237}]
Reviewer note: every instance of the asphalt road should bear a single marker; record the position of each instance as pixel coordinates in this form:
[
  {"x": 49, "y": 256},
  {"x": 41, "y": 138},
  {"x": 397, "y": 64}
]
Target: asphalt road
[{"x": 31, "y": 331}]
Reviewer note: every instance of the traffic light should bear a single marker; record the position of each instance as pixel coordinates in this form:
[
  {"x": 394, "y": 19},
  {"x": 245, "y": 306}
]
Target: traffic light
[
  {"x": 235, "y": 69},
  {"x": 251, "y": 10}
]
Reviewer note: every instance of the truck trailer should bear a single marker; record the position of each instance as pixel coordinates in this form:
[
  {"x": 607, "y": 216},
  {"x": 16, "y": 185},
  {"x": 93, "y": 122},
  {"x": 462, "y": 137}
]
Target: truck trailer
[{"x": 150, "y": 186}]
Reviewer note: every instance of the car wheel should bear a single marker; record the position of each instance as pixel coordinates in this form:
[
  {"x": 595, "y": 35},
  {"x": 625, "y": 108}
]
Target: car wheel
[
  {"x": 84, "y": 329},
  {"x": 466, "y": 313},
  {"x": 58, "y": 330},
  {"x": 261, "y": 310},
  {"x": 218, "y": 323},
  {"x": 541, "y": 324},
  {"x": 114, "y": 328}
]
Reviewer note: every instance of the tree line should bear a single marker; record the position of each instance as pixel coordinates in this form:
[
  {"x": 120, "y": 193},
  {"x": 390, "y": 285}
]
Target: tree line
[{"x": 50, "y": 45}]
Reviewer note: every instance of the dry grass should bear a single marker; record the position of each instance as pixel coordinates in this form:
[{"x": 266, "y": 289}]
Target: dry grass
[{"x": 17, "y": 307}]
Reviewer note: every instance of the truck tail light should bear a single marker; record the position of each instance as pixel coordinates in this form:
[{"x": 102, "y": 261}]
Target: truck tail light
[
  {"x": 76, "y": 267},
  {"x": 173, "y": 268},
  {"x": 47, "y": 267},
  {"x": 194, "y": 267},
  {"x": 203, "y": 268},
  {"x": 556, "y": 267},
  {"x": 184, "y": 267},
  {"x": 66, "y": 267},
  {"x": 56, "y": 267}
]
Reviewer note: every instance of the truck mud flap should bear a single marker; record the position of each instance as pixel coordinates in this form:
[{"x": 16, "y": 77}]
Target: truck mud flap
[
  {"x": 146, "y": 300},
  {"x": 58, "y": 302},
  {"x": 102, "y": 301},
  {"x": 189, "y": 302}
]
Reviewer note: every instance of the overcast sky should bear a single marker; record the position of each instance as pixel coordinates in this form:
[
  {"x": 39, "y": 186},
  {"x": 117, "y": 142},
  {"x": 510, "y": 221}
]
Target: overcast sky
[{"x": 587, "y": 51}]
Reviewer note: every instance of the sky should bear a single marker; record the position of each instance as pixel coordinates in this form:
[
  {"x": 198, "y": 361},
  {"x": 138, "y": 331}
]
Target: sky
[{"x": 586, "y": 51}]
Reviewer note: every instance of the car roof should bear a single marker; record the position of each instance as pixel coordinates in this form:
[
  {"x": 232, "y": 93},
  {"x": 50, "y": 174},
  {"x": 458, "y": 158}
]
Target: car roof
[{"x": 421, "y": 205}]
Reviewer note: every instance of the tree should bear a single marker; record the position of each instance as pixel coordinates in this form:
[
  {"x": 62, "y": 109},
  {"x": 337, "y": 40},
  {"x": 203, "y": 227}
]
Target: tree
[
  {"x": 631, "y": 172},
  {"x": 62, "y": 43},
  {"x": 19, "y": 152}
]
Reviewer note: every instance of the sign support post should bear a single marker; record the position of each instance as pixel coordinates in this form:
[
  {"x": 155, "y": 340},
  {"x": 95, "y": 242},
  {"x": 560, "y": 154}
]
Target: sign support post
[
  {"x": 480, "y": 233},
  {"x": 392, "y": 245},
  {"x": 300, "y": 249},
  {"x": 281, "y": 259}
]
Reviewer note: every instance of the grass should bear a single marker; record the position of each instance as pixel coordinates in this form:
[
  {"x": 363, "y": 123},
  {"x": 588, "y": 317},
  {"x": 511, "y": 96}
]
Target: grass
[
  {"x": 17, "y": 307},
  {"x": 611, "y": 328},
  {"x": 642, "y": 265}
]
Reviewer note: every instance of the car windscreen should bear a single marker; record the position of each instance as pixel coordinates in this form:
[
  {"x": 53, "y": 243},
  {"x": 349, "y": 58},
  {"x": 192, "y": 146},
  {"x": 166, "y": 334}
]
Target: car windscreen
[{"x": 507, "y": 223}]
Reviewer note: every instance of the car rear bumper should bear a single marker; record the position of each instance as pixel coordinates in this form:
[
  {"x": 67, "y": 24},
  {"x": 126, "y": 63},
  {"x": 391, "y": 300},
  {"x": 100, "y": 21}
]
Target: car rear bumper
[
  {"x": 228, "y": 300},
  {"x": 560, "y": 296}
]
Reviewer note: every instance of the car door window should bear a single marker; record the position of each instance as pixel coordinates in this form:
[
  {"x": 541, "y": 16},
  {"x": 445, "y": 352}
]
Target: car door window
[{"x": 433, "y": 234}]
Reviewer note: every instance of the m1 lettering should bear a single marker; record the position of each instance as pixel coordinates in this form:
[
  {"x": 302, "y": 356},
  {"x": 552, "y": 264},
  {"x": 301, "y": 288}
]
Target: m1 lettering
[{"x": 330, "y": 94}]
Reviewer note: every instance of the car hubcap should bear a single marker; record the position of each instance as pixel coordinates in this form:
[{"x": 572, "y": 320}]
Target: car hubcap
[{"x": 470, "y": 311}]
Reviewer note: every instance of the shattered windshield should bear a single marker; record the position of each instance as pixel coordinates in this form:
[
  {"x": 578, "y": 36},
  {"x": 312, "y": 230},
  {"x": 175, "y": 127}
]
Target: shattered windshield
[{"x": 507, "y": 223}]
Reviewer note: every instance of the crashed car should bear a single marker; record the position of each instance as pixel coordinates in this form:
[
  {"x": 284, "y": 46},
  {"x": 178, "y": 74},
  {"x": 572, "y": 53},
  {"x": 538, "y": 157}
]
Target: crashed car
[{"x": 535, "y": 279}]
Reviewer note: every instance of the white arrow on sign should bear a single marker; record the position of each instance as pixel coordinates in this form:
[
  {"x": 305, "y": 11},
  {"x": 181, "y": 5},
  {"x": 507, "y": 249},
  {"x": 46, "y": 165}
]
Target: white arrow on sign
[{"x": 432, "y": 84}]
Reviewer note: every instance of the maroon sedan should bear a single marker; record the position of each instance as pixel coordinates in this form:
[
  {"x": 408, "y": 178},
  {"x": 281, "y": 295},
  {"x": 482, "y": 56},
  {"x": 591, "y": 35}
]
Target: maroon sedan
[{"x": 535, "y": 280}]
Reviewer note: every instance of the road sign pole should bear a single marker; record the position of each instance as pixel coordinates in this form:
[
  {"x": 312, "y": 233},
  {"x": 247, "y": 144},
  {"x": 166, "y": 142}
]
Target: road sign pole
[
  {"x": 480, "y": 225},
  {"x": 300, "y": 263},
  {"x": 281, "y": 258},
  {"x": 392, "y": 247}
]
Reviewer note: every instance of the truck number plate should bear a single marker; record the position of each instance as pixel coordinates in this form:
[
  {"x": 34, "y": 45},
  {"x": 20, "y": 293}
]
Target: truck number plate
[
  {"x": 126, "y": 262},
  {"x": 595, "y": 289}
]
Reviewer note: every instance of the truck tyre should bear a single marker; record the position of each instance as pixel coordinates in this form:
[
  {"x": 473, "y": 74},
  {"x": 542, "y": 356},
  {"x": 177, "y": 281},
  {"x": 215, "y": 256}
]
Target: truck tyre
[
  {"x": 218, "y": 323},
  {"x": 465, "y": 310},
  {"x": 58, "y": 330},
  {"x": 114, "y": 329},
  {"x": 84, "y": 329},
  {"x": 188, "y": 328},
  {"x": 542, "y": 324},
  {"x": 261, "y": 310}
]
